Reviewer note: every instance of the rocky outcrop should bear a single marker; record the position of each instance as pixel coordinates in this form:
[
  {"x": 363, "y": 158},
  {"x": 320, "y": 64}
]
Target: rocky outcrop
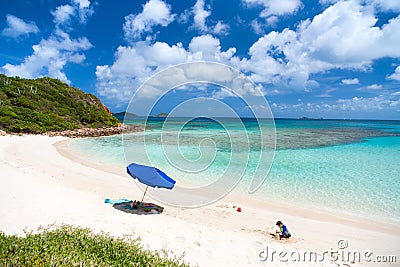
[
  {"x": 106, "y": 109},
  {"x": 95, "y": 132}
]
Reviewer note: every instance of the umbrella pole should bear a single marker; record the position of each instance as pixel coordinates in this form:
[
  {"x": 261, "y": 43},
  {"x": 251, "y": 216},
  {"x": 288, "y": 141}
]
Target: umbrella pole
[{"x": 144, "y": 193}]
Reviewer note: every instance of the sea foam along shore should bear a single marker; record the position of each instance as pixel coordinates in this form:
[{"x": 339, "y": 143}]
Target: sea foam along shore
[{"x": 39, "y": 186}]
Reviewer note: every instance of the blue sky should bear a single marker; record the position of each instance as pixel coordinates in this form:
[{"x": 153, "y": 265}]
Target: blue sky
[{"x": 321, "y": 58}]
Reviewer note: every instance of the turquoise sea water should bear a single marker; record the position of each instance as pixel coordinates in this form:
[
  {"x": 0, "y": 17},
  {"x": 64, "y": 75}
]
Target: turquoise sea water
[{"x": 341, "y": 166}]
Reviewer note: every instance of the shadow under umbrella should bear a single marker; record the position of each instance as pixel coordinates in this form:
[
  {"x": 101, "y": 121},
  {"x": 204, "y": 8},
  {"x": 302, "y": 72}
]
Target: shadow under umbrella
[{"x": 138, "y": 208}]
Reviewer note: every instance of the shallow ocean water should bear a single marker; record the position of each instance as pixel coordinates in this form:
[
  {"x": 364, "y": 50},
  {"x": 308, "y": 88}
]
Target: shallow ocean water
[{"x": 342, "y": 166}]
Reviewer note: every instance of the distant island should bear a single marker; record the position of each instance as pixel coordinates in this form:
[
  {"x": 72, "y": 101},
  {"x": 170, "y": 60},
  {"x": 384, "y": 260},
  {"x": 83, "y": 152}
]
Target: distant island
[
  {"x": 307, "y": 118},
  {"x": 49, "y": 105},
  {"x": 162, "y": 114},
  {"x": 123, "y": 114}
]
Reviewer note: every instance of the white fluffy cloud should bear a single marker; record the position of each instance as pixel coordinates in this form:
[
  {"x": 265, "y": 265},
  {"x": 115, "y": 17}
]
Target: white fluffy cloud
[
  {"x": 266, "y": 64},
  {"x": 81, "y": 9},
  {"x": 84, "y": 9},
  {"x": 155, "y": 12},
  {"x": 351, "y": 81},
  {"x": 207, "y": 47},
  {"x": 63, "y": 13},
  {"x": 275, "y": 7},
  {"x": 330, "y": 39},
  {"x": 327, "y": 42},
  {"x": 326, "y": 2},
  {"x": 261, "y": 26},
  {"x": 374, "y": 86},
  {"x": 380, "y": 102},
  {"x": 135, "y": 64},
  {"x": 284, "y": 59},
  {"x": 258, "y": 28},
  {"x": 17, "y": 27},
  {"x": 220, "y": 28},
  {"x": 396, "y": 74},
  {"x": 82, "y": 3},
  {"x": 50, "y": 56},
  {"x": 200, "y": 15},
  {"x": 385, "y": 5},
  {"x": 380, "y": 5},
  {"x": 346, "y": 107}
]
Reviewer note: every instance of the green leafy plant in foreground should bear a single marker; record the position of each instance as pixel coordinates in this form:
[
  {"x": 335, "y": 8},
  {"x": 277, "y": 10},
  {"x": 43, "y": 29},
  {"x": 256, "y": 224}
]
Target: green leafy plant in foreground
[{"x": 71, "y": 246}]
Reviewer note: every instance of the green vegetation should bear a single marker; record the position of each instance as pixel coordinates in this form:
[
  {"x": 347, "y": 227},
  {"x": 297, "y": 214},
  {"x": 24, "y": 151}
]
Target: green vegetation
[
  {"x": 45, "y": 104},
  {"x": 69, "y": 246}
]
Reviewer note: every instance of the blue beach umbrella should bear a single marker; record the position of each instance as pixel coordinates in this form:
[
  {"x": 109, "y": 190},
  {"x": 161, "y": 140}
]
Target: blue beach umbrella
[{"x": 150, "y": 176}]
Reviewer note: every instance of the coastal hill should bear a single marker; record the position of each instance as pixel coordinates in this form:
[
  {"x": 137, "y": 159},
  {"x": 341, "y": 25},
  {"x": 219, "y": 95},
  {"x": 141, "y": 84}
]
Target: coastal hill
[{"x": 45, "y": 104}]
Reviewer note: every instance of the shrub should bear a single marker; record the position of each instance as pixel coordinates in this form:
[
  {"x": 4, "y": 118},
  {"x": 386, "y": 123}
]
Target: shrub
[{"x": 71, "y": 246}]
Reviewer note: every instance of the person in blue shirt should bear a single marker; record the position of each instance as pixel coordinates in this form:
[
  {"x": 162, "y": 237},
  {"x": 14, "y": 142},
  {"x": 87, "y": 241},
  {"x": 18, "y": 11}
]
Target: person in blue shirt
[{"x": 283, "y": 230}]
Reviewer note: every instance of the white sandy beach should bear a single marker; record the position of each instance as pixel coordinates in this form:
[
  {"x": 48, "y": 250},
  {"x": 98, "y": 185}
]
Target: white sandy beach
[{"x": 39, "y": 186}]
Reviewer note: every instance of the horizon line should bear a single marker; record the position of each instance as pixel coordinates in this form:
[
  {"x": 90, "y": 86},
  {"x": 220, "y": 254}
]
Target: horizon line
[{"x": 275, "y": 118}]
